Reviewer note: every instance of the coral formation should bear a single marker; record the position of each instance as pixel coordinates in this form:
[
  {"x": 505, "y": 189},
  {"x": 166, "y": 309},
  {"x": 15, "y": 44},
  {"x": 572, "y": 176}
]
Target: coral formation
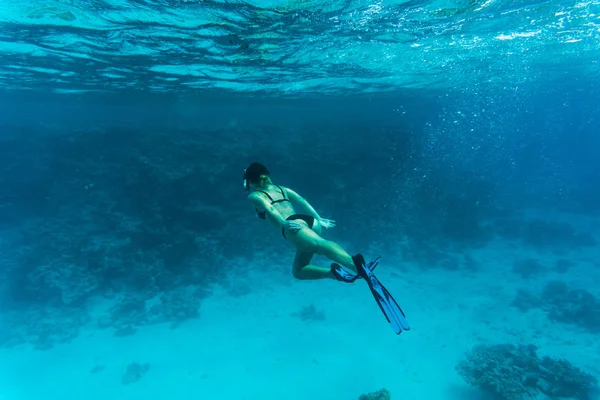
[
  {"x": 563, "y": 265},
  {"x": 382, "y": 394},
  {"x": 173, "y": 306},
  {"x": 510, "y": 372},
  {"x": 126, "y": 225},
  {"x": 134, "y": 373},
  {"x": 525, "y": 301},
  {"x": 543, "y": 234},
  {"x": 563, "y": 304},
  {"x": 573, "y": 306},
  {"x": 527, "y": 268}
]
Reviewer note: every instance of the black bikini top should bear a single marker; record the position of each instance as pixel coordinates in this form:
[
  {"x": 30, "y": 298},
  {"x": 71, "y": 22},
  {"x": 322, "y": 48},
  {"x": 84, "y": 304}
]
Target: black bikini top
[{"x": 263, "y": 214}]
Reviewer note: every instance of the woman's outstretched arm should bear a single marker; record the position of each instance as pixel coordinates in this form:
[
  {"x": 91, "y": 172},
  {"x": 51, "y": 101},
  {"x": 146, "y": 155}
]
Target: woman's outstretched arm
[{"x": 296, "y": 198}]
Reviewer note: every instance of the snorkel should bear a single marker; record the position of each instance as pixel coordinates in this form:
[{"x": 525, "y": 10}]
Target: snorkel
[{"x": 246, "y": 184}]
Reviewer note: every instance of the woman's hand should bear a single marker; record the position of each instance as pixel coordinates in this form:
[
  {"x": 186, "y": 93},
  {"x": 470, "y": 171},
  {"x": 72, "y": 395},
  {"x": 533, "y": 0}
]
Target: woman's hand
[
  {"x": 292, "y": 226},
  {"x": 327, "y": 223}
]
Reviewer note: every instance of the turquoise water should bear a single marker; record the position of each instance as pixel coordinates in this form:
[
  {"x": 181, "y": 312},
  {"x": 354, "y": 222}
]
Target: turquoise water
[
  {"x": 459, "y": 141},
  {"x": 295, "y": 47}
]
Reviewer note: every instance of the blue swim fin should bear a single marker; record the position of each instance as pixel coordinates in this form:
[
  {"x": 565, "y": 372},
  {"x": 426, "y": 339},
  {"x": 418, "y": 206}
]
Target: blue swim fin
[
  {"x": 391, "y": 310},
  {"x": 342, "y": 274},
  {"x": 346, "y": 276}
]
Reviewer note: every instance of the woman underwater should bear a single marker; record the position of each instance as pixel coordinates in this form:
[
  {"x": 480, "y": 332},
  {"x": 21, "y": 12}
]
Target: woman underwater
[{"x": 275, "y": 204}]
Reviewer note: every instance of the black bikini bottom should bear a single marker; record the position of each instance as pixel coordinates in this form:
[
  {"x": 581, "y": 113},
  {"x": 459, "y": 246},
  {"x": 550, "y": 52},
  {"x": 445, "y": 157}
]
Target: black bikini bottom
[{"x": 307, "y": 218}]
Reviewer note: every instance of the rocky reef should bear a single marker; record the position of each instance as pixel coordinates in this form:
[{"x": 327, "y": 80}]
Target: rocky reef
[
  {"x": 382, "y": 394},
  {"x": 509, "y": 372}
]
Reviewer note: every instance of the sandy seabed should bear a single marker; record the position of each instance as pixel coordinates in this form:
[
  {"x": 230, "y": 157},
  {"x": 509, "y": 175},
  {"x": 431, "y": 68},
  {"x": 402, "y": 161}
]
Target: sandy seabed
[{"x": 268, "y": 343}]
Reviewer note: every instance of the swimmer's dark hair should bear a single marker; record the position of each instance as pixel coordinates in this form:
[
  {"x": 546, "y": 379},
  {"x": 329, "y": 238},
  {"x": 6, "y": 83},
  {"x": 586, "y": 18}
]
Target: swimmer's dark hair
[{"x": 256, "y": 173}]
